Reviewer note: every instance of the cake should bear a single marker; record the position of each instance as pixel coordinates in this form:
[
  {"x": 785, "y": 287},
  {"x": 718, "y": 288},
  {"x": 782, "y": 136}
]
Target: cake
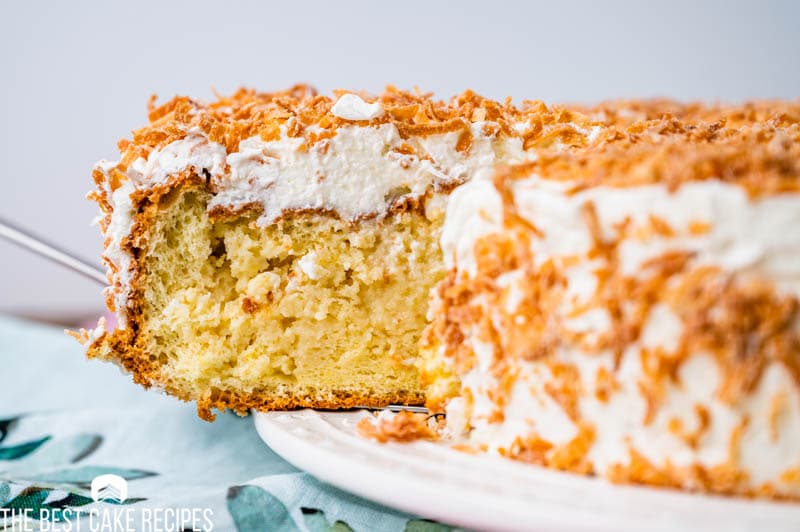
[
  {"x": 608, "y": 290},
  {"x": 630, "y": 310},
  {"x": 277, "y": 250}
]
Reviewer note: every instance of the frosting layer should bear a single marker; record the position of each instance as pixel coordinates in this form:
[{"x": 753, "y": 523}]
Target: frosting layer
[{"x": 644, "y": 333}]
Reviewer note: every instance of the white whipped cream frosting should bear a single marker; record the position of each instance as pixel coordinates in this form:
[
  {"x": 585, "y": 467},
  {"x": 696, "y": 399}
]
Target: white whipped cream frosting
[
  {"x": 357, "y": 172},
  {"x": 119, "y": 228},
  {"x": 352, "y": 107},
  {"x": 746, "y": 236},
  {"x": 194, "y": 150}
]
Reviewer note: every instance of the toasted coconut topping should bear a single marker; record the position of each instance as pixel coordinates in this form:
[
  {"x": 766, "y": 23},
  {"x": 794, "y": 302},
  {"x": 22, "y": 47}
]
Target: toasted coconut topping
[
  {"x": 248, "y": 113},
  {"x": 764, "y": 158},
  {"x": 623, "y": 113}
]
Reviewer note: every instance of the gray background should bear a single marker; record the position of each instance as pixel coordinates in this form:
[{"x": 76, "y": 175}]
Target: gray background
[{"x": 76, "y": 78}]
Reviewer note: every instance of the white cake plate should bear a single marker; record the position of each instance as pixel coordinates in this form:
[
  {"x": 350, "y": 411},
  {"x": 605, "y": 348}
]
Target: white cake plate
[{"x": 490, "y": 493}]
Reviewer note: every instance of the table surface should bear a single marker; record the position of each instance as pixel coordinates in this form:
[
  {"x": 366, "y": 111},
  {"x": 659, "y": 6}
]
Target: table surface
[{"x": 65, "y": 420}]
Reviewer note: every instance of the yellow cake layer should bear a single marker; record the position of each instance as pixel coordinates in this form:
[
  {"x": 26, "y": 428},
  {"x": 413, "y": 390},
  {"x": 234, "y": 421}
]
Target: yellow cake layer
[{"x": 309, "y": 311}]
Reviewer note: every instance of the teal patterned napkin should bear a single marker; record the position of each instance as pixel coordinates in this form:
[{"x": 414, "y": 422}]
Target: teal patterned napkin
[{"x": 65, "y": 421}]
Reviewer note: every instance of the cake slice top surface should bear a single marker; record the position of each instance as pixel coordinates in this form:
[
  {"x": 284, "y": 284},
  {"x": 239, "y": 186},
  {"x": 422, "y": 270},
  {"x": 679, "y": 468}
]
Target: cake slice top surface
[
  {"x": 350, "y": 154},
  {"x": 248, "y": 113}
]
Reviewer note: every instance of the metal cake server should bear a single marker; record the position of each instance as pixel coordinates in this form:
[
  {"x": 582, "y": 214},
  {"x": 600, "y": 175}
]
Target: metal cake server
[
  {"x": 42, "y": 247},
  {"x": 26, "y": 239}
]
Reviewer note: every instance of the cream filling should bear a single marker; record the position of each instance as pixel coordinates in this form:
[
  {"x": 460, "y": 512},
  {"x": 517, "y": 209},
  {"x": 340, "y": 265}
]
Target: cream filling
[
  {"x": 356, "y": 173},
  {"x": 748, "y": 237},
  {"x": 193, "y": 151}
]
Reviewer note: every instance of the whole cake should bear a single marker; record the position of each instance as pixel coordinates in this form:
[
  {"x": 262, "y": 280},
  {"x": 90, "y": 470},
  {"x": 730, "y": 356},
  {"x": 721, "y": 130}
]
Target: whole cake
[
  {"x": 277, "y": 250},
  {"x": 631, "y": 310},
  {"x": 609, "y": 290}
]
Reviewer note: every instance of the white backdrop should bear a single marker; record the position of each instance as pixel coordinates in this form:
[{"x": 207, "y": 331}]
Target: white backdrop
[{"x": 76, "y": 77}]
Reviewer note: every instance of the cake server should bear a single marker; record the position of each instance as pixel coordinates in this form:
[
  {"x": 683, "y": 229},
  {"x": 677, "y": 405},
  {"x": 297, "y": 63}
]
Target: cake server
[{"x": 26, "y": 239}]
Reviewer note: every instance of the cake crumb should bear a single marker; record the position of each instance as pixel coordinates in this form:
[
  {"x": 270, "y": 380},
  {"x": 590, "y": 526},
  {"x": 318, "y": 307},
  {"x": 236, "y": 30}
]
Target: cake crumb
[
  {"x": 399, "y": 427},
  {"x": 89, "y": 336}
]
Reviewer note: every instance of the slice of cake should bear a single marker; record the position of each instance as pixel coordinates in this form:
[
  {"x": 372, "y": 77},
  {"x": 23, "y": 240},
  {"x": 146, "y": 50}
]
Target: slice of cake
[
  {"x": 270, "y": 251},
  {"x": 631, "y": 310}
]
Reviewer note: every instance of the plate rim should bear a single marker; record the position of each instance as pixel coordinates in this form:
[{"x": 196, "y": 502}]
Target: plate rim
[{"x": 312, "y": 440}]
